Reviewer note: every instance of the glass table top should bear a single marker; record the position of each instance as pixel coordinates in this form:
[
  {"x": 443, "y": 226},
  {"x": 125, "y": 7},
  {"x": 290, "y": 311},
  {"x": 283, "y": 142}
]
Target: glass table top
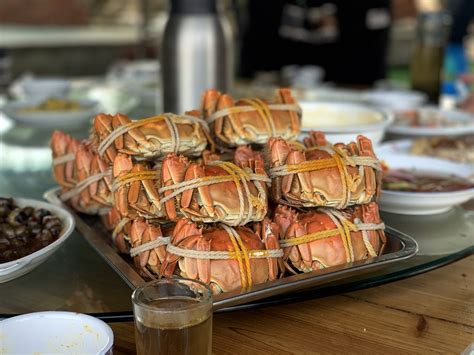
[{"x": 77, "y": 278}]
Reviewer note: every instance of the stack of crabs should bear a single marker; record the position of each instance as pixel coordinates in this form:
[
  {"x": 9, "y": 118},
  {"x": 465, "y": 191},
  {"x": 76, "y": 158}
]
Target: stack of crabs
[{"x": 225, "y": 194}]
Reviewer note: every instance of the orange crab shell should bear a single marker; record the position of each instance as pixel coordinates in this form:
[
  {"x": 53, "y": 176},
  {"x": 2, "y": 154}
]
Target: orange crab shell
[
  {"x": 322, "y": 186},
  {"x": 329, "y": 251},
  {"x": 250, "y": 127},
  {"x": 215, "y": 202},
  {"x": 138, "y": 197},
  {"x": 224, "y": 274},
  {"x": 153, "y": 139}
]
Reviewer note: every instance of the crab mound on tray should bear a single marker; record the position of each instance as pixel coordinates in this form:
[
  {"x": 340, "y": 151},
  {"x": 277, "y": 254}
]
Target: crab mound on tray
[{"x": 225, "y": 194}]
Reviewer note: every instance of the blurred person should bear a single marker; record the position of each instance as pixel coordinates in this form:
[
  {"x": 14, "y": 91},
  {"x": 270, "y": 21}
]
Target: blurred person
[
  {"x": 348, "y": 39},
  {"x": 456, "y": 65}
]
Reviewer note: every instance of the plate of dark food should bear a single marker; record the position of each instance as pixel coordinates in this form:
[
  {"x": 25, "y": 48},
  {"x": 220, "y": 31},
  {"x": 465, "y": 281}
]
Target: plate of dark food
[
  {"x": 30, "y": 231},
  {"x": 423, "y": 185}
]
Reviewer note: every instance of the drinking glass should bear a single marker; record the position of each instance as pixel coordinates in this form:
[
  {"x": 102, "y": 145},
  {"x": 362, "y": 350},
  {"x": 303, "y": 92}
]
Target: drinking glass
[{"x": 173, "y": 316}]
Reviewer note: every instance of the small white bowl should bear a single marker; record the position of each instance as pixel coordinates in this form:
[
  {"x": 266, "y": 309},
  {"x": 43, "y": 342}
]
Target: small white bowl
[
  {"x": 55, "y": 333},
  {"x": 344, "y": 121},
  {"x": 424, "y": 203},
  {"x": 42, "y": 88},
  {"x": 51, "y": 119},
  {"x": 16, "y": 268}
]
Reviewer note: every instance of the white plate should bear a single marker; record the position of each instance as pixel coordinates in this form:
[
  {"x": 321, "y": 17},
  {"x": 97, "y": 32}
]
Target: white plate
[
  {"x": 467, "y": 126},
  {"x": 329, "y": 94},
  {"x": 396, "y": 99},
  {"x": 19, "y": 267},
  {"x": 51, "y": 119},
  {"x": 423, "y": 203},
  {"x": 55, "y": 333},
  {"x": 344, "y": 121},
  {"x": 41, "y": 88},
  {"x": 399, "y": 146}
]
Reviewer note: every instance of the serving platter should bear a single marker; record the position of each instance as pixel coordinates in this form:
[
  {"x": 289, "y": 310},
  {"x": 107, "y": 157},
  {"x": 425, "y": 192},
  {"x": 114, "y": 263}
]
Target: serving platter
[{"x": 399, "y": 247}]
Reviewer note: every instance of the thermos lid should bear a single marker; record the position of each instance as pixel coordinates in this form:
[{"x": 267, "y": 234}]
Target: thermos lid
[{"x": 193, "y": 6}]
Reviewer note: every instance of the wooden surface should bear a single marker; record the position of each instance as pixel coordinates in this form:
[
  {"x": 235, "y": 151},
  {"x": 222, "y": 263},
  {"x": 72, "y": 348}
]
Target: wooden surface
[{"x": 429, "y": 313}]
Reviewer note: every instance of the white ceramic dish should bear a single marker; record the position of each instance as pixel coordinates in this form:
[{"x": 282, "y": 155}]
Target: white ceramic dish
[
  {"x": 330, "y": 94},
  {"x": 16, "y": 268},
  {"x": 343, "y": 121},
  {"x": 40, "y": 88},
  {"x": 55, "y": 333},
  {"x": 424, "y": 203},
  {"x": 399, "y": 146},
  {"x": 51, "y": 119},
  {"x": 465, "y": 119},
  {"x": 396, "y": 99}
]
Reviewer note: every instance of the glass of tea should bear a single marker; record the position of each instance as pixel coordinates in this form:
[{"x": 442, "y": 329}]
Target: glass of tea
[{"x": 173, "y": 316}]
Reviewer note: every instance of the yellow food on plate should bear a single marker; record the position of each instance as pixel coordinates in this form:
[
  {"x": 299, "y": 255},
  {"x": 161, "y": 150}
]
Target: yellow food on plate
[{"x": 55, "y": 104}]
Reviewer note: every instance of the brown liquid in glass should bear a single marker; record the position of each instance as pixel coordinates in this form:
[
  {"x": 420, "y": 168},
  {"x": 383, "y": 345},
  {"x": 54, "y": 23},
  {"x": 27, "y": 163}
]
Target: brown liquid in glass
[{"x": 195, "y": 339}]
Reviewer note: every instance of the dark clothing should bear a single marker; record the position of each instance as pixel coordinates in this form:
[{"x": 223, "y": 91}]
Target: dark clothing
[{"x": 348, "y": 38}]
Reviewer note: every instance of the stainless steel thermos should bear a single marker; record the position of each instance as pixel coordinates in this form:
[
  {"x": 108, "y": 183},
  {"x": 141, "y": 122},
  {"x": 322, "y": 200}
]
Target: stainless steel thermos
[{"x": 196, "y": 54}]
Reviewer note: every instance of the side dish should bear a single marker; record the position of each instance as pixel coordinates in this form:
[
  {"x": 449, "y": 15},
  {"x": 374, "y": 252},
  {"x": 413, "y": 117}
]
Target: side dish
[
  {"x": 459, "y": 149},
  {"x": 425, "y": 118},
  {"x": 25, "y": 230},
  {"x": 418, "y": 181},
  {"x": 54, "y": 104}
]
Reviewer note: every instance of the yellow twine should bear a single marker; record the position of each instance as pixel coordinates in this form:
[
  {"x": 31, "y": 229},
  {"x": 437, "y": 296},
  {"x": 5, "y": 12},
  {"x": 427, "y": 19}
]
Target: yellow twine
[
  {"x": 246, "y": 258},
  {"x": 259, "y": 107},
  {"x": 131, "y": 177},
  {"x": 309, "y": 238},
  {"x": 238, "y": 255}
]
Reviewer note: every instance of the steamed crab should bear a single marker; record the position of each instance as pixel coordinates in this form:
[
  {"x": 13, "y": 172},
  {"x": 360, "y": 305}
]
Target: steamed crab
[
  {"x": 224, "y": 257},
  {"x": 323, "y": 238},
  {"x": 136, "y": 188},
  {"x": 251, "y": 120},
  {"x": 149, "y": 138},
  {"x": 148, "y": 245},
  {"x": 84, "y": 177},
  {"x": 323, "y": 174},
  {"x": 214, "y": 192},
  {"x": 64, "y": 149}
]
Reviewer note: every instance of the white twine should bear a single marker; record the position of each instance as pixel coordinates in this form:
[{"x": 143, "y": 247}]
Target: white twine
[
  {"x": 149, "y": 245},
  {"x": 230, "y": 110},
  {"x": 222, "y": 255},
  {"x": 82, "y": 185},
  {"x": 168, "y": 118},
  {"x": 361, "y": 161},
  {"x": 198, "y": 182},
  {"x": 64, "y": 159}
]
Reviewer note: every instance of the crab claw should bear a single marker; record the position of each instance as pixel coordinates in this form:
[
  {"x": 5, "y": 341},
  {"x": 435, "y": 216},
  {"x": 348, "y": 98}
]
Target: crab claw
[
  {"x": 315, "y": 139},
  {"x": 283, "y": 217},
  {"x": 209, "y": 101},
  {"x": 173, "y": 171}
]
